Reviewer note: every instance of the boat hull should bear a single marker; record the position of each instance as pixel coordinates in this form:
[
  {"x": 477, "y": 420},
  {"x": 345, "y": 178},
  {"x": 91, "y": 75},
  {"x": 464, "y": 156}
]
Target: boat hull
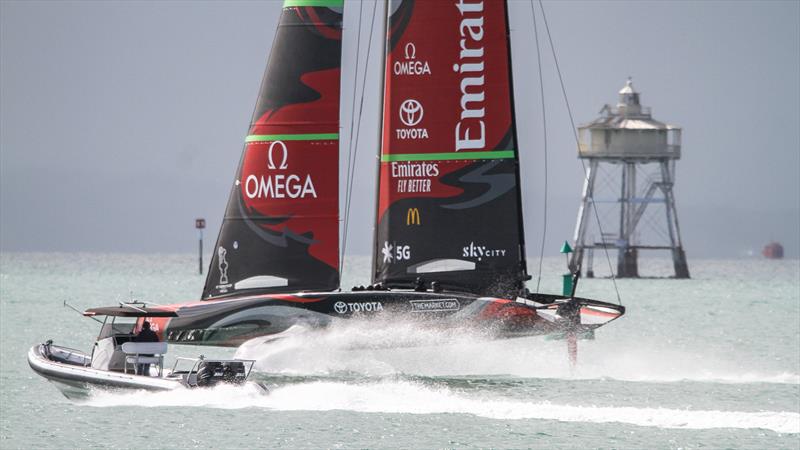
[
  {"x": 233, "y": 321},
  {"x": 78, "y": 381}
]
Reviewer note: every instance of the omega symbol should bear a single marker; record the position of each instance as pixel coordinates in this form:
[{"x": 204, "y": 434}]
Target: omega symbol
[
  {"x": 283, "y": 165},
  {"x": 411, "y": 51},
  {"x": 411, "y": 112}
]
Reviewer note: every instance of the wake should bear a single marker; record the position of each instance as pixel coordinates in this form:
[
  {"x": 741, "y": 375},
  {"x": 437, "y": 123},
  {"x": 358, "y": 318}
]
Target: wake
[
  {"x": 404, "y": 397},
  {"x": 408, "y": 348},
  {"x": 377, "y": 358}
]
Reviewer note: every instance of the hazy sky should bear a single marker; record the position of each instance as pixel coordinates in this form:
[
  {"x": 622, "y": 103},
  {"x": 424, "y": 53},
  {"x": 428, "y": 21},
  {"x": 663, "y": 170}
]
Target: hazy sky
[{"x": 120, "y": 122}]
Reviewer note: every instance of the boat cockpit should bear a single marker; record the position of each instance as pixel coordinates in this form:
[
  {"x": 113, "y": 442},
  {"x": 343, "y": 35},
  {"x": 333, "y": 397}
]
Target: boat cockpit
[{"x": 119, "y": 327}]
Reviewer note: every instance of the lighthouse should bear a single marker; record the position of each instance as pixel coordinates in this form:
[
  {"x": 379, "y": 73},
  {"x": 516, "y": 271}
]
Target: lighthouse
[{"x": 628, "y": 203}]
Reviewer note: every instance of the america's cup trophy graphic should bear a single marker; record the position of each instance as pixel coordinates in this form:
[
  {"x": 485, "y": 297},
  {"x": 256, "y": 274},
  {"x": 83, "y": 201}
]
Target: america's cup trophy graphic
[{"x": 223, "y": 265}]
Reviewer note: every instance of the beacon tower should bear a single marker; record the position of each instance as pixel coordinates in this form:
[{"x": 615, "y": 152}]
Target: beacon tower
[{"x": 631, "y": 168}]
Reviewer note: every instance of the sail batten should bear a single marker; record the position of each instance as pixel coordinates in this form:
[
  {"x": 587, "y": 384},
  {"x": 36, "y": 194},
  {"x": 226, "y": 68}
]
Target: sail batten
[
  {"x": 448, "y": 196},
  {"x": 281, "y": 226},
  {"x": 495, "y": 154},
  {"x": 292, "y": 137}
]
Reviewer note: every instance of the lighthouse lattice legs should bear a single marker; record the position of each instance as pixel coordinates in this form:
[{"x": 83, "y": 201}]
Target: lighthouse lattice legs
[{"x": 633, "y": 202}]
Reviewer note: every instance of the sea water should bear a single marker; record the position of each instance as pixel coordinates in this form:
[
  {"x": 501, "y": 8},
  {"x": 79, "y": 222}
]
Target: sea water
[{"x": 710, "y": 362}]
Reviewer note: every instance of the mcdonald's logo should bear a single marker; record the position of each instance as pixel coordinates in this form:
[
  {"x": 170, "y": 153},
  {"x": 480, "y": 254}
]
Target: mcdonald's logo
[{"x": 413, "y": 217}]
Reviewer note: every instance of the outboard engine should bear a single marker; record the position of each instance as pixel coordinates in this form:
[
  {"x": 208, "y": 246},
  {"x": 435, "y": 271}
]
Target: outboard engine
[{"x": 209, "y": 373}]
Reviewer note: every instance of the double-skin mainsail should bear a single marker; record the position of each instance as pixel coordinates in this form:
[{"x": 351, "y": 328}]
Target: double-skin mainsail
[
  {"x": 449, "y": 191},
  {"x": 280, "y": 232}
]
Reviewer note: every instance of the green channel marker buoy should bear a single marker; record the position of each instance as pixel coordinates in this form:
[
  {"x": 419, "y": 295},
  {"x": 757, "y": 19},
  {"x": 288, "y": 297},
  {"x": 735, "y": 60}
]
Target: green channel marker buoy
[{"x": 567, "y": 277}]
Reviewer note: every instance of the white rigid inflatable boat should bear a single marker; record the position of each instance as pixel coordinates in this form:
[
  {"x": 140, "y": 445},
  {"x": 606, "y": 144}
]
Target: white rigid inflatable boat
[{"x": 113, "y": 360}]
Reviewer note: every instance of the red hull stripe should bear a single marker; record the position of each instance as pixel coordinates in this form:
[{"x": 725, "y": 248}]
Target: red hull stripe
[
  {"x": 593, "y": 312},
  {"x": 294, "y": 298},
  {"x": 282, "y": 297}
]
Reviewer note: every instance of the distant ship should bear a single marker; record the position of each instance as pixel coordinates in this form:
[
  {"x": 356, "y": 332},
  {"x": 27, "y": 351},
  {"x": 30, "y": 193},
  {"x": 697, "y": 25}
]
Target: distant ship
[{"x": 773, "y": 250}]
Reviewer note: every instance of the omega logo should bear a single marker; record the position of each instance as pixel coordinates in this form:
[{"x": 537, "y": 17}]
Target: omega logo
[
  {"x": 279, "y": 185},
  {"x": 411, "y": 51},
  {"x": 410, "y": 66},
  {"x": 283, "y": 165}
]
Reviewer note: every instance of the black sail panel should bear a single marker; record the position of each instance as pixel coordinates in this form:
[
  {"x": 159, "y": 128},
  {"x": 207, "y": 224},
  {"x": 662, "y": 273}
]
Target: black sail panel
[
  {"x": 280, "y": 230},
  {"x": 449, "y": 193}
]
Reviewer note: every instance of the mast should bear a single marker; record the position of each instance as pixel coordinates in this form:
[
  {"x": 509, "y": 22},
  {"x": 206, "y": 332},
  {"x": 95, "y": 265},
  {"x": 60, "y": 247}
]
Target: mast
[
  {"x": 280, "y": 232},
  {"x": 520, "y": 222},
  {"x": 385, "y": 38},
  {"x": 449, "y": 207}
]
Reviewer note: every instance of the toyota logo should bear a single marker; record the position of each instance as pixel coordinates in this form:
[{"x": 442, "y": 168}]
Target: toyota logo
[
  {"x": 410, "y": 112},
  {"x": 340, "y": 307}
]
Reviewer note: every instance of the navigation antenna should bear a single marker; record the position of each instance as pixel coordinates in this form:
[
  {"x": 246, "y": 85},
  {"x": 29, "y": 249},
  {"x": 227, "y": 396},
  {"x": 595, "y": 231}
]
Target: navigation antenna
[{"x": 67, "y": 305}]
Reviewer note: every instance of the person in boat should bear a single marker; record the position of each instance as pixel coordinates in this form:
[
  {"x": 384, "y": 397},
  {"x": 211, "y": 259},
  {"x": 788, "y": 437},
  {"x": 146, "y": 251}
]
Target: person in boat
[{"x": 145, "y": 335}]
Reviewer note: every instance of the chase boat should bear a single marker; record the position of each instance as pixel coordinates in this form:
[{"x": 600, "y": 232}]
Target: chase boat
[{"x": 112, "y": 363}]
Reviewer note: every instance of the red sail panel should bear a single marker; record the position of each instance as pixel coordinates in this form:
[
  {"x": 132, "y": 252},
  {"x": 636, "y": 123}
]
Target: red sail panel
[
  {"x": 449, "y": 175},
  {"x": 281, "y": 226},
  {"x": 447, "y": 87}
]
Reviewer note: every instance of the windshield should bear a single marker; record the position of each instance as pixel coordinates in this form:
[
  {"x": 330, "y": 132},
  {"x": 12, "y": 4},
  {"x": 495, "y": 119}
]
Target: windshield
[{"x": 117, "y": 325}]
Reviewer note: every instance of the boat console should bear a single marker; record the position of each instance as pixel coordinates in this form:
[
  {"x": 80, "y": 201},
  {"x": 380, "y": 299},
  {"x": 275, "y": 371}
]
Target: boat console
[{"x": 107, "y": 353}]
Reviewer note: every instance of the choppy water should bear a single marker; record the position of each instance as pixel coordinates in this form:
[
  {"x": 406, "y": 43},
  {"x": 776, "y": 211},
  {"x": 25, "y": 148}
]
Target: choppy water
[{"x": 709, "y": 362}]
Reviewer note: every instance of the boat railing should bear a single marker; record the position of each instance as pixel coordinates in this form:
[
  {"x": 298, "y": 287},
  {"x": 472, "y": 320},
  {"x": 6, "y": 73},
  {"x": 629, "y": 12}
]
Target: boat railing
[
  {"x": 69, "y": 352},
  {"x": 247, "y": 363},
  {"x": 196, "y": 363}
]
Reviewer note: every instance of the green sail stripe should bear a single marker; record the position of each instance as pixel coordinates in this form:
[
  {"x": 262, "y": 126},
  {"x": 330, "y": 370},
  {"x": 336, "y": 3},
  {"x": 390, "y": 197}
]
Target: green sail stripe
[
  {"x": 497, "y": 154},
  {"x": 327, "y": 3},
  {"x": 292, "y": 137}
]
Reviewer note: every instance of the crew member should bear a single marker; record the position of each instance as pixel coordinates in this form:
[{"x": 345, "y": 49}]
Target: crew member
[{"x": 145, "y": 335}]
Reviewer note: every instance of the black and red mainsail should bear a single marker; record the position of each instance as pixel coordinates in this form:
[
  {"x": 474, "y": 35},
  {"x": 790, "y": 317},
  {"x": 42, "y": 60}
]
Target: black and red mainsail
[
  {"x": 280, "y": 230},
  {"x": 449, "y": 192}
]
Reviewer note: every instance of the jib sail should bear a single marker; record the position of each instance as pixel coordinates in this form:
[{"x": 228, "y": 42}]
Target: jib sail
[
  {"x": 449, "y": 195},
  {"x": 280, "y": 230}
]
